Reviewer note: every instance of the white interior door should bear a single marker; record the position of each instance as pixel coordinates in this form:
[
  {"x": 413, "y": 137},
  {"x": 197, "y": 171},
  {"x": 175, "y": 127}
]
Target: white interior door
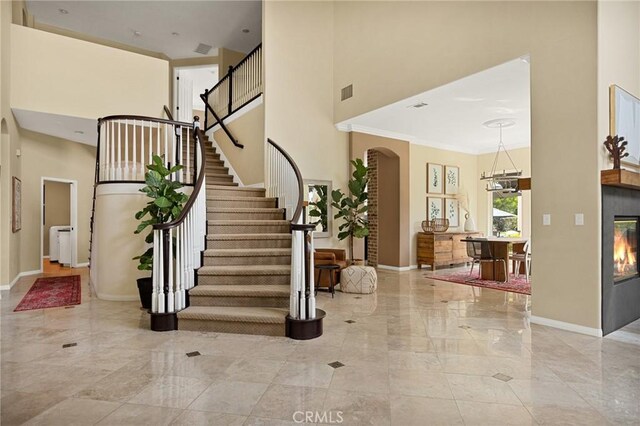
[{"x": 184, "y": 107}]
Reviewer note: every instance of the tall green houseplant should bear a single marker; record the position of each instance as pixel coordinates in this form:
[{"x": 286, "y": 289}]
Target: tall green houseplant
[
  {"x": 352, "y": 208},
  {"x": 165, "y": 204}
]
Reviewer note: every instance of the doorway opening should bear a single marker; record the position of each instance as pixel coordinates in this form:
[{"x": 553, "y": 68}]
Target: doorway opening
[
  {"x": 189, "y": 84},
  {"x": 58, "y": 222}
]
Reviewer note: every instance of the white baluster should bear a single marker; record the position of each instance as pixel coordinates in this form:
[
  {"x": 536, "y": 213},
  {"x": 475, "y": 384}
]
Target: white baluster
[
  {"x": 142, "y": 141},
  {"x": 112, "y": 158},
  {"x": 170, "y": 289},
  {"x": 155, "y": 275},
  {"x": 312, "y": 296},
  {"x": 167, "y": 158},
  {"x": 293, "y": 298},
  {"x": 180, "y": 154},
  {"x": 188, "y": 159},
  {"x": 119, "y": 169},
  {"x": 135, "y": 152},
  {"x": 303, "y": 297},
  {"x": 126, "y": 150},
  {"x": 158, "y": 140},
  {"x": 177, "y": 296},
  {"x": 161, "y": 266}
]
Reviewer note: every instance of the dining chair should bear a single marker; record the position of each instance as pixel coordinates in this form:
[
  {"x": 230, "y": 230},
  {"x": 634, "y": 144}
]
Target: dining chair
[
  {"x": 472, "y": 254},
  {"x": 523, "y": 257},
  {"x": 482, "y": 249}
]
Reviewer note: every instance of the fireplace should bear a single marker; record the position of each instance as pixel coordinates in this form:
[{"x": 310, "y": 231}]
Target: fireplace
[
  {"x": 620, "y": 273},
  {"x": 625, "y": 248}
]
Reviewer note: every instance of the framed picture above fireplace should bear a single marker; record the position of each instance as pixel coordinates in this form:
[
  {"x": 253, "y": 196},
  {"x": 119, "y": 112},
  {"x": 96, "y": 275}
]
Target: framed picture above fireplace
[{"x": 624, "y": 120}]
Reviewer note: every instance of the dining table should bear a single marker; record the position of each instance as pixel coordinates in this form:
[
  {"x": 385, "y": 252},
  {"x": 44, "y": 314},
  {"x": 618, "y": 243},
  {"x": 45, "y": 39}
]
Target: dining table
[{"x": 494, "y": 271}]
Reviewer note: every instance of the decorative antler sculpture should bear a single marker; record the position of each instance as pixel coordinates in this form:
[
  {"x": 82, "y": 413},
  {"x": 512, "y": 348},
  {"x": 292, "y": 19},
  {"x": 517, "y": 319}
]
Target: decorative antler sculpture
[{"x": 616, "y": 146}]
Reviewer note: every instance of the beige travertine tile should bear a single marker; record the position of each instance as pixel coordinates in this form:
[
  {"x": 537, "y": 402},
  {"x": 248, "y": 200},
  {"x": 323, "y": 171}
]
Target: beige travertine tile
[
  {"x": 230, "y": 397},
  {"x": 133, "y": 414},
  {"x": 418, "y": 411},
  {"x": 18, "y": 407},
  {"x": 494, "y": 414},
  {"x": 417, "y": 382},
  {"x": 282, "y": 401},
  {"x": 192, "y": 417},
  {"x": 361, "y": 377},
  {"x": 80, "y": 412},
  {"x": 357, "y": 408},
  {"x": 481, "y": 389},
  {"x": 309, "y": 374},
  {"x": 253, "y": 370},
  {"x": 171, "y": 391}
]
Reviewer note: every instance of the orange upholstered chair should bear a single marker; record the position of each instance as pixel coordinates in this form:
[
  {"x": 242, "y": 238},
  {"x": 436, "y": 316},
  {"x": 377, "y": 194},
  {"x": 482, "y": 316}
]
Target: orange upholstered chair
[{"x": 327, "y": 256}]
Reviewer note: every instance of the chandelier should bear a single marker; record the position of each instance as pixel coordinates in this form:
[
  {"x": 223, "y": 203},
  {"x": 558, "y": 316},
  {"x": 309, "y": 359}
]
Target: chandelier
[{"x": 502, "y": 182}]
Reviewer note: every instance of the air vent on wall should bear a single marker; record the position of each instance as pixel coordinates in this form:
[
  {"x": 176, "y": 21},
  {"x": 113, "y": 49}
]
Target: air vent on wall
[
  {"x": 347, "y": 92},
  {"x": 203, "y": 49}
]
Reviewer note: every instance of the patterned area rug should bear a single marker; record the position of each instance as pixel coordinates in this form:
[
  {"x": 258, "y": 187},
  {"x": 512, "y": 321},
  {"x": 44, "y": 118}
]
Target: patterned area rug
[
  {"x": 51, "y": 293},
  {"x": 515, "y": 284}
]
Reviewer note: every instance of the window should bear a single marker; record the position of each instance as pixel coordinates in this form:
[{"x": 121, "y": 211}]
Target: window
[{"x": 506, "y": 215}]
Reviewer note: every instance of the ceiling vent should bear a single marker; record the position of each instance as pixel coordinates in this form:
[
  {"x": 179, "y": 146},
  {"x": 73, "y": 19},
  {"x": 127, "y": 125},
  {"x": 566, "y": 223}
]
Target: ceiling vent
[
  {"x": 346, "y": 93},
  {"x": 203, "y": 49},
  {"x": 418, "y": 105}
]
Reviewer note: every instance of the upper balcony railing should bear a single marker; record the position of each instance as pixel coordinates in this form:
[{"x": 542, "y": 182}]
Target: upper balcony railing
[{"x": 241, "y": 85}]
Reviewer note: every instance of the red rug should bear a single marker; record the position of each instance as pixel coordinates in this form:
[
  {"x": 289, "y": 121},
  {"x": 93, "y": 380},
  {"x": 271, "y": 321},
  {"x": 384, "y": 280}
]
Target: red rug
[
  {"x": 51, "y": 292},
  {"x": 515, "y": 284}
]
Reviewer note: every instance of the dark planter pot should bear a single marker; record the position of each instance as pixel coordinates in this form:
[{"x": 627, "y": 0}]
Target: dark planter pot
[{"x": 145, "y": 289}]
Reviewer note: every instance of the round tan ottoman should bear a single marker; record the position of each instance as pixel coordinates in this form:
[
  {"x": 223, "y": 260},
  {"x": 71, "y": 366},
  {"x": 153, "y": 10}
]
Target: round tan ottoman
[{"x": 358, "y": 279}]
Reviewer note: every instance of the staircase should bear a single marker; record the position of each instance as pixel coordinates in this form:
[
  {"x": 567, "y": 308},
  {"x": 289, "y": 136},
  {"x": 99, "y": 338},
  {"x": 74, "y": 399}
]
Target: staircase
[{"x": 244, "y": 283}]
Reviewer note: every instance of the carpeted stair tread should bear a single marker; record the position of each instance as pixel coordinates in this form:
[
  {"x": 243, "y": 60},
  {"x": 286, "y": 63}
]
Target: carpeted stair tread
[
  {"x": 226, "y": 237},
  {"x": 242, "y": 252},
  {"x": 228, "y": 184},
  {"x": 234, "y": 314},
  {"x": 245, "y": 270},
  {"x": 244, "y": 210},
  {"x": 240, "y": 291},
  {"x": 247, "y": 222},
  {"x": 232, "y": 198}
]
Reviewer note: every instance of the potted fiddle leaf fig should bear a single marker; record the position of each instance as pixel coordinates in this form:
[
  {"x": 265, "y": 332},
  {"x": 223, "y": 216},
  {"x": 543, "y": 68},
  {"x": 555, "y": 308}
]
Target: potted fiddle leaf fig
[
  {"x": 352, "y": 208},
  {"x": 165, "y": 205}
]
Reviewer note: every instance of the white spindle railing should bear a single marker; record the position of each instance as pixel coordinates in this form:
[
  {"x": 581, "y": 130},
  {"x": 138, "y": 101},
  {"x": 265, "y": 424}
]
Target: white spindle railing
[
  {"x": 128, "y": 143},
  {"x": 239, "y": 86},
  {"x": 177, "y": 247},
  {"x": 283, "y": 181}
]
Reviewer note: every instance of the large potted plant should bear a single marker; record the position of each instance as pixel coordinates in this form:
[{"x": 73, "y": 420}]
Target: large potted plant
[
  {"x": 352, "y": 208},
  {"x": 165, "y": 205}
]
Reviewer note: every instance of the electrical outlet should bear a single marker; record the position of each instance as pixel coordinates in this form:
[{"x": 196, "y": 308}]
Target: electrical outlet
[{"x": 546, "y": 219}]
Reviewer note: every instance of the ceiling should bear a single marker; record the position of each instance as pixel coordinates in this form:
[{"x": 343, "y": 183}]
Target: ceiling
[
  {"x": 454, "y": 116},
  {"x": 82, "y": 130},
  {"x": 215, "y": 23}
]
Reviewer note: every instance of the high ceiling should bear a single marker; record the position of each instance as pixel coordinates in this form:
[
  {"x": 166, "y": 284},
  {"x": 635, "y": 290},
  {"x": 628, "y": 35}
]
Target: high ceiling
[
  {"x": 454, "y": 115},
  {"x": 174, "y": 28}
]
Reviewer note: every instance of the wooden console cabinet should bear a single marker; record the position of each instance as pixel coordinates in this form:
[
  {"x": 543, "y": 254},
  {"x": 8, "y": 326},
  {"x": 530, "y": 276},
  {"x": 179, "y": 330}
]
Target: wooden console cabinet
[{"x": 443, "y": 249}]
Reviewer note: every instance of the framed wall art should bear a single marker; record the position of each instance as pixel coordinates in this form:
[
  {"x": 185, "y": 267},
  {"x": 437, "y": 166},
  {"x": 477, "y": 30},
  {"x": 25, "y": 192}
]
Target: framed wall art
[
  {"x": 16, "y": 207},
  {"x": 434, "y": 208},
  {"x": 451, "y": 180},
  {"x": 452, "y": 211},
  {"x": 434, "y": 178}
]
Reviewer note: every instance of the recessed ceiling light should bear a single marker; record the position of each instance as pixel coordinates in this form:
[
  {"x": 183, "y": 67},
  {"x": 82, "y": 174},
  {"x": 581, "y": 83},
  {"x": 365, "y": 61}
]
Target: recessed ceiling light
[
  {"x": 63, "y": 11},
  {"x": 137, "y": 33},
  {"x": 79, "y": 132},
  {"x": 175, "y": 34},
  {"x": 245, "y": 30}
]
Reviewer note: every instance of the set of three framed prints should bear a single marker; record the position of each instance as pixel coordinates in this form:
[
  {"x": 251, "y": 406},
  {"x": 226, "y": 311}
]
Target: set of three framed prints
[{"x": 443, "y": 184}]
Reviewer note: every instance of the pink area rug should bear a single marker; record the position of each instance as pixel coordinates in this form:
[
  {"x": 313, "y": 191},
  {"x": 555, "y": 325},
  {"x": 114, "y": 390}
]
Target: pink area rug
[
  {"x": 52, "y": 292},
  {"x": 515, "y": 284}
]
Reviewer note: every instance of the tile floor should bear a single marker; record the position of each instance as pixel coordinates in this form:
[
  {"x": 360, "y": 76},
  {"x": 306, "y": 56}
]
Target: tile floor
[{"x": 418, "y": 351}]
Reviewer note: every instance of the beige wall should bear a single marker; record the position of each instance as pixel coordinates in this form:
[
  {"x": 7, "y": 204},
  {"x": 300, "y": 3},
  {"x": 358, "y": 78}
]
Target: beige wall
[
  {"x": 248, "y": 162},
  {"x": 298, "y": 68},
  {"x": 561, "y": 38},
  {"x": 46, "y": 156},
  {"x": 522, "y": 159},
  {"x": 359, "y": 144},
  {"x": 420, "y": 156},
  {"x": 618, "y": 59},
  {"x": 57, "y": 211},
  {"x": 90, "y": 80}
]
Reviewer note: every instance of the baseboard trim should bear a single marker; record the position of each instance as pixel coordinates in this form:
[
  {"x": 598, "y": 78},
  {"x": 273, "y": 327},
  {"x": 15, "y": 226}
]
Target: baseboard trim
[
  {"x": 116, "y": 298},
  {"x": 82, "y": 265},
  {"x": 395, "y": 268},
  {"x": 596, "y": 332},
  {"x": 6, "y": 287}
]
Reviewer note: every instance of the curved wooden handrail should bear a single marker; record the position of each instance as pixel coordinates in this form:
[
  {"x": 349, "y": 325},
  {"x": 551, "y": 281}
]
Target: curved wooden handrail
[
  {"x": 196, "y": 189},
  {"x": 298, "y": 211},
  {"x": 144, "y": 118}
]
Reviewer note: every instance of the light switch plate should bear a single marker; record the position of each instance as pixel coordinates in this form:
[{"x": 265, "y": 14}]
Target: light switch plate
[
  {"x": 546, "y": 219},
  {"x": 579, "y": 219}
]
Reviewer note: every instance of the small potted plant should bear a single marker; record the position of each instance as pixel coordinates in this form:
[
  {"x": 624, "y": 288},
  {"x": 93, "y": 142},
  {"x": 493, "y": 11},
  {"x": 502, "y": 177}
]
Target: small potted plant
[
  {"x": 164, "y": 206},
  {"x": 352, "y": 208}
]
